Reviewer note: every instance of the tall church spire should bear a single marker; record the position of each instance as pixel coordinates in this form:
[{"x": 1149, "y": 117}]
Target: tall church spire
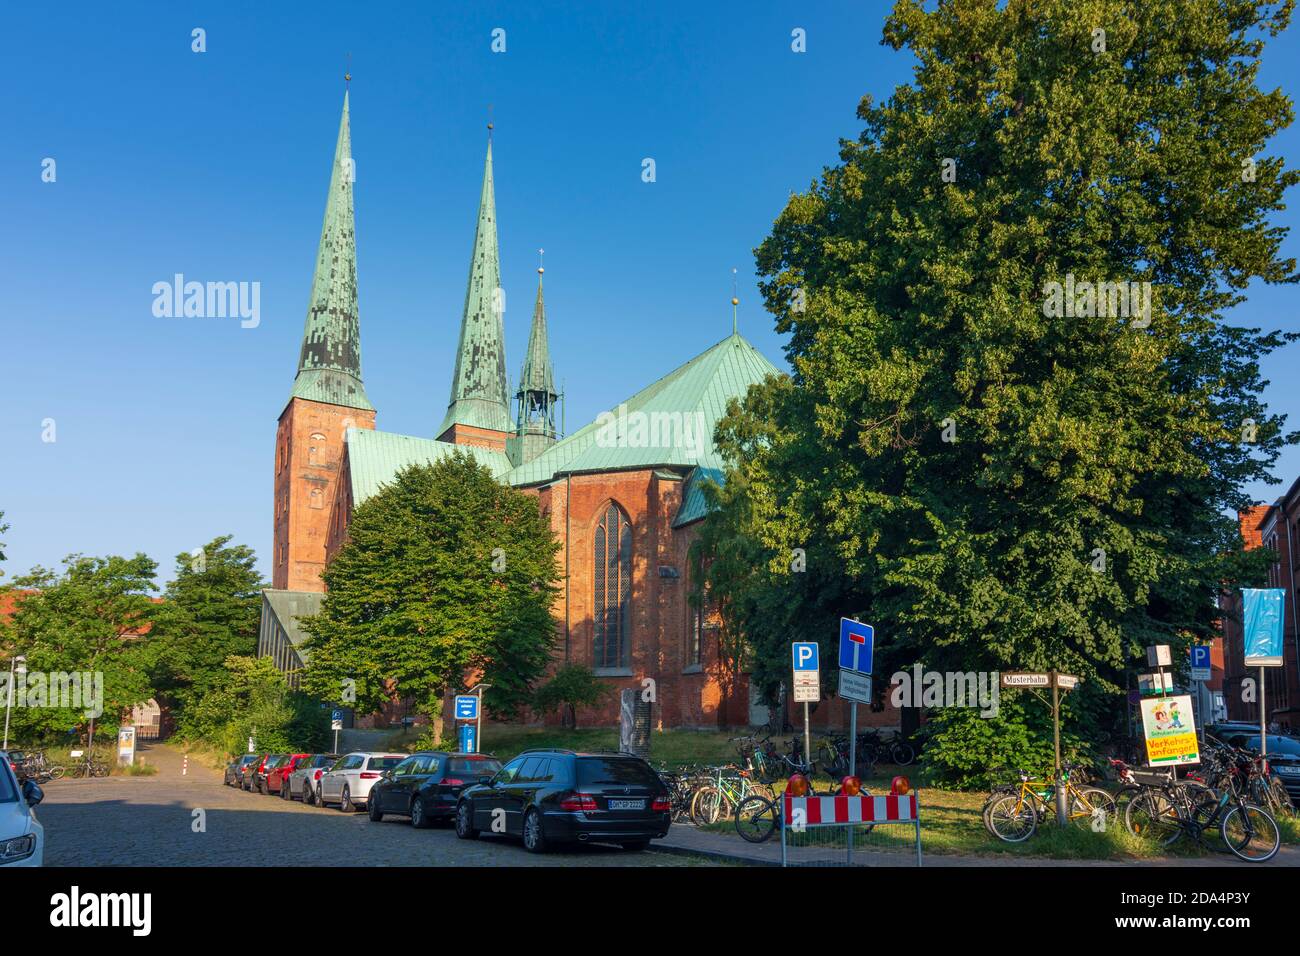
[
  {"x": 478, "y": 389},
  {"x": 536, "y": 398},
  {"x": 329, "y": 366}
]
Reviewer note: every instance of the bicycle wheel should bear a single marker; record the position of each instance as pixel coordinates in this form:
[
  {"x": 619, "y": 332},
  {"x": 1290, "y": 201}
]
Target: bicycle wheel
[
  {"x": 1279, "y": 801},
  {"x": 902, "y": 753},
  {"x": 57, "y": 772},
  {"x": 1152, "y": 817},
  {"x": 756, "y": 818},
  {"x": 705, "y": 806},
  {"x": 1012, "y": 819},
  {"x": 1092, "y": 808},
  {"x": 99, "y": 770},
  {"x": 1251, "y": 833}
]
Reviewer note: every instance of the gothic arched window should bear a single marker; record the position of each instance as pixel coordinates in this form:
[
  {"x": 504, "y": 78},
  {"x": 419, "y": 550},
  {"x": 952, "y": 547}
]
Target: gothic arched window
[{"x": 613, "y": 590}]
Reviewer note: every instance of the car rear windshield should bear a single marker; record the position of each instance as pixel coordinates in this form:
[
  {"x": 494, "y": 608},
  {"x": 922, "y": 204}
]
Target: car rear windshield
[
  {"x": 1276, "y": 745},
  {"x": 483, "y": 766},
  {"x": 323, "y": 760},
  {"x": 385, "y": 763},
  {"x": 613, "y": 771}
]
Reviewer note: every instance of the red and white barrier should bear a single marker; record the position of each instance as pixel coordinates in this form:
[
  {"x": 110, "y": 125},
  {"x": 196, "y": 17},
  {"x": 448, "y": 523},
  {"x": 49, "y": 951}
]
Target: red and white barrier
[
  {"x": 801, "y": 814},
  {"x": 825, "y": 811}
]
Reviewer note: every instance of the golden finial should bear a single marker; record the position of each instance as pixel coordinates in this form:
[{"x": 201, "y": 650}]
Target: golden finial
[
  {"x": 540, "y": 253},
  {"x": 347, "y": 73},
  {"x": 489, "y": 121},
  {"x": 735, "y": 301}
]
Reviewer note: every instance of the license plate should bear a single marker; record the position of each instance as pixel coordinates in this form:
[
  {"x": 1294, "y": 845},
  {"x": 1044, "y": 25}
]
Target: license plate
[
  {"x": 627, "y": 804},
  {"x": 1288, "y": 769}
]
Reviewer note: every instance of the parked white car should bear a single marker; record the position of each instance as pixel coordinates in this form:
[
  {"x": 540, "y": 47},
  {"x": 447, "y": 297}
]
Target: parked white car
[
  {"x": 348, "y": 783},
  {"x": 22, "y": 838},
  {"x": 304, "y": 783}
]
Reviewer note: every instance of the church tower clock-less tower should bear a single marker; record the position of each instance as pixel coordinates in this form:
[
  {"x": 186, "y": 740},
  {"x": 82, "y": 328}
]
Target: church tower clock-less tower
[{"x": 327, "y": 396}]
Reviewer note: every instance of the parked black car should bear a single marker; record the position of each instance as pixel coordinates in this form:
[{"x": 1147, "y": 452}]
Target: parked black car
[
  {"x": 236, "y": 769},
  {"x": 558, "y": 796},
  {"x": 426, "y": 785}
]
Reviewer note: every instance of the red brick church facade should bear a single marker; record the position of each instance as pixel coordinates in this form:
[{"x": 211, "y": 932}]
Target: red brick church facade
[{"x": 624, "y": 511}]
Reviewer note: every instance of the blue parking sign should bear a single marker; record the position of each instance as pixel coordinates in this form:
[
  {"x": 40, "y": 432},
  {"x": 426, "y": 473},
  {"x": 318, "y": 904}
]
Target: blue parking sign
[
  {"x": 857, "y": 644},
  {"x": 467, "y": 707},
  {"x": 805, "y": 655}
]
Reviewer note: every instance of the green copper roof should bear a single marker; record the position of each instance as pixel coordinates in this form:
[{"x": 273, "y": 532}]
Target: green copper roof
[
  {"x": 374, "y": 457},
  {"x": 478, "y": 386},
  {"x": 329, "y": 367},
  {"x": 286, "y": 607},
  {"x": 669, "y": 423},
  {"x": 537, "y": 375}
]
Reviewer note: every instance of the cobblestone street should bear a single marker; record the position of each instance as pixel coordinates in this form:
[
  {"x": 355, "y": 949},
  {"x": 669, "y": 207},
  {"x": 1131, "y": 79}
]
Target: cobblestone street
[{"x": 148, "y": 821}]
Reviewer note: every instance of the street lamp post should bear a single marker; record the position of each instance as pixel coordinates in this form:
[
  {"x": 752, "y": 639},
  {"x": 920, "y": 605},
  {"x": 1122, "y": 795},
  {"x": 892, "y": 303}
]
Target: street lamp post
[{"x": 18, "y": 666}]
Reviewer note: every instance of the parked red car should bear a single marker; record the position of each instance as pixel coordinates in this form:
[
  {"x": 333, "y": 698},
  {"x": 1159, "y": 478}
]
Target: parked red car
[{"x": 277, "y": 775}]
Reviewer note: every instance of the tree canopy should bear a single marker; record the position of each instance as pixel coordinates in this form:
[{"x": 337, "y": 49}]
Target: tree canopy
[{"x": 445, "y": 573}]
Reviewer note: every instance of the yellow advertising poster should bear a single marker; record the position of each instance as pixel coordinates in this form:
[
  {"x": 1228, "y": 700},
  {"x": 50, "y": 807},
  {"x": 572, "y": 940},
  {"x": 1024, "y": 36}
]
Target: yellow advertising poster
[{"x": 1170, "y": 731}]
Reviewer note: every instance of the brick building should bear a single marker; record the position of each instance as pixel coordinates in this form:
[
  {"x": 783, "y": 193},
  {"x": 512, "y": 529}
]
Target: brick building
[
  {"x": 622, "y": 494},
  {"x": 1273, "y": 527}
]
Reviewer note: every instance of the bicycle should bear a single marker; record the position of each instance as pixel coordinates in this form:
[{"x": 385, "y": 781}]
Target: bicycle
[
  {"x": 1014, "y": 817},
  {"x": 730, "y": 788},
  {"x": 90, "y": 767},
  {"x": 1165, "y": 815}
]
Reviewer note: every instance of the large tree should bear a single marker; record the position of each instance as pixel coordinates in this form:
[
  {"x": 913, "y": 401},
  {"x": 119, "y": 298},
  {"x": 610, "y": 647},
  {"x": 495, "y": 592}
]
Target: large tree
[
  {"x": 209, "y": 612},
  {"x": 445, "y": 572},
  {"x": 89, "y": 618},
  {"x": 1001, "y": 480}
]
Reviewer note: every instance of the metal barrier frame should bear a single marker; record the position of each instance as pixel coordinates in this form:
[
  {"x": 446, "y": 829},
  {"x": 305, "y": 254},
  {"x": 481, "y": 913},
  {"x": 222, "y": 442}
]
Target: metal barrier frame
[{"x": 844, "y": 808}]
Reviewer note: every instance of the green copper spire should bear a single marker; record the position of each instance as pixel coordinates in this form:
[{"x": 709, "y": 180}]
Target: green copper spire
[
  {"x": 329, "y": 368},
  {"x": 478, "y": 386},
  {"x": 536, "y": 398}
]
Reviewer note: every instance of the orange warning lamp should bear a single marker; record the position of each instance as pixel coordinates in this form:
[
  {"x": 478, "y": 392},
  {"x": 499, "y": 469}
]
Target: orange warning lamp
[
  {"x": 900, "y": 786},
  {"x": 797, "y": 785},
  {"x": 850, "y": 787}
]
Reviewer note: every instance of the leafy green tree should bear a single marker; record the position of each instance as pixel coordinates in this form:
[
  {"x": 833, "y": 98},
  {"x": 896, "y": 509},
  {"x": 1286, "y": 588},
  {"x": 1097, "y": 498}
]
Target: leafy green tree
[
  {"x": 209, "y": 612},
  {"x": 250, "y": 698},
  {"x": 995, "y": 480},
  {"x": 89, "y": 618},
  {"x": 570, "y": 687},
  {"x": 445, "y": 572}
]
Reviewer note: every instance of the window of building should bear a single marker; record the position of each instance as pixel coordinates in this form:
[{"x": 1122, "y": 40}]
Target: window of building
[{"x": 613, "y": 589}]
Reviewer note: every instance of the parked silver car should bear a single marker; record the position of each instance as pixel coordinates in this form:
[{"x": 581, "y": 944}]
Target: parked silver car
[
  {"x": 304, "y": 782},
  {"x": 348, "y": 783}
]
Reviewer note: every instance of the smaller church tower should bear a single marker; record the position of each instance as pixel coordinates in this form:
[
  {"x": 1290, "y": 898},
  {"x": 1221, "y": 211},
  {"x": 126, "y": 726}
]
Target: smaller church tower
[{"x": 536, "y": 398}]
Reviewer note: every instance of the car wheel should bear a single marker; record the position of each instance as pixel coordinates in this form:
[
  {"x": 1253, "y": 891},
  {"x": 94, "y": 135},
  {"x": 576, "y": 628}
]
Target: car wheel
[
  {"x": 419, "y": 816},
  {"x": 635, "y": 845},
  {"x": 372, "y": 809},
  {"x": 465, "y": 821},
  {"x": 534, "y": 835},
  {"x": 345, "y": 801}
]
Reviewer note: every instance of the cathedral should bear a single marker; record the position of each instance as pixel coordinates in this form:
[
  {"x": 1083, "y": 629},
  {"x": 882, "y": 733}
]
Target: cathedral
[{"x": 622, "y": 494}]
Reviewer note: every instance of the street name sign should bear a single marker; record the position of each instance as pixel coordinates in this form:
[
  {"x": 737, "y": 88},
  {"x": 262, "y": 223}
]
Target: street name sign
[
  {"x": 1067, "y": 681},
  {"x": 1018, "y": 679}
]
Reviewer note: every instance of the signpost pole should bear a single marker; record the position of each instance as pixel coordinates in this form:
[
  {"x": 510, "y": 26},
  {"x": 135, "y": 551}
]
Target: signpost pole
[
  {"x": 853, "y": 759},
  {"x": 336, "y": 741},
  {"x": 807, "y": 737},
  {"x": 1061, "y": 818},
  {"x": 1263, "y": 732}
]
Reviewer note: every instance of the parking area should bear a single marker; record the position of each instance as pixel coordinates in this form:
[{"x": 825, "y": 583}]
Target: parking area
[{"x": 151, "y": 821}]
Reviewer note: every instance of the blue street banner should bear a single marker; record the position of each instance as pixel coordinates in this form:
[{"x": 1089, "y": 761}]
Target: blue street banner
[{"x": 1261, "y": 615}]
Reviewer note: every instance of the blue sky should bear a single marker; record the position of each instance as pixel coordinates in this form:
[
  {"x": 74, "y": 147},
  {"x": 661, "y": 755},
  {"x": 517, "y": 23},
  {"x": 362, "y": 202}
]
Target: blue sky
[{"x": 215, "y": 165}]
